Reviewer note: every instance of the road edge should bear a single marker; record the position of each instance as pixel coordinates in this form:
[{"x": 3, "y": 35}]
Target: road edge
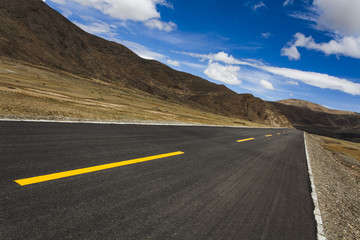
[
  {"x": 153, "y": 123},
  {"x": 317, "y": 213}
]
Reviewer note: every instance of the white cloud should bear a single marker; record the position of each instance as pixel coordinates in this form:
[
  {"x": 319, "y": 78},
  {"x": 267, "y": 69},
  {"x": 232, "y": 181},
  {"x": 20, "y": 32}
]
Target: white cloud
[
  {"x": 320, "y": 80},
  {"x": 266, "y": 35},
  {"x": 144, "y": 52},
  {"x": 224, "y": 57},
  {"x": 219, "y": 57},
  {"x": 291, "y": 52},
  {"x": 66, "y": 12},
  {"x": 97, "y": 28},
  {"x": 224, "y": 73},
  {"x": 173, "y": 62},
  {"x": 266, "y": 84},
  {"x": 346, "y": 46},
  {"x": 135, "y": 10},
  {"x": 258, "y": 5},
  {"x": 141, "y": 50},
  {"x": 288, "y": 2},
  {"x": 59, "y": 1},
  {"x": 340, "y": 18},
  {"x": 159, "y": 25},
  {"x": 308, "y": 16},
  {"x": 316, "y": 79},
  {"x": 194, "y": 65},
  {"x": 292, "y": 83}
]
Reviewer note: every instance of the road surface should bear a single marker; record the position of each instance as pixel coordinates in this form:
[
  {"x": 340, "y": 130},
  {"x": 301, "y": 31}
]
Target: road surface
[{"x": 217, "y": 182}]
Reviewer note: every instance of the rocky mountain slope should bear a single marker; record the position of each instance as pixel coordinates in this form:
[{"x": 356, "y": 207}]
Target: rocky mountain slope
[
  {"x": 32, "y": 32},
  {"x": 345, "y": 126},
  {"x": 313, "y": 106}
]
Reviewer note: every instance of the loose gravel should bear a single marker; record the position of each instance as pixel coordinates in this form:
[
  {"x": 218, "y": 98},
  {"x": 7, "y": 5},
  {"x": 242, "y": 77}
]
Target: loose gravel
[{"x": 338, "y": 190}]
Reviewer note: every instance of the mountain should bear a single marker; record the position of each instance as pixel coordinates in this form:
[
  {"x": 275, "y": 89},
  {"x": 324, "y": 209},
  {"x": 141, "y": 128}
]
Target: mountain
[
  {"x": 317, "y": 119},
  {"x": 32, "y": 32},
  {"x": 314, "y": 107}
]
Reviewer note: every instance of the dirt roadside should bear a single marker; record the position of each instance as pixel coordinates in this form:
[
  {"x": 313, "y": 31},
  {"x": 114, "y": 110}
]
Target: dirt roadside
[{"x": 337, "y": 181}]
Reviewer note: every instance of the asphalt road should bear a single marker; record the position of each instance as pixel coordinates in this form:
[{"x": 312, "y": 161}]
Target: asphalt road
[{"x": 218, "y": 189}]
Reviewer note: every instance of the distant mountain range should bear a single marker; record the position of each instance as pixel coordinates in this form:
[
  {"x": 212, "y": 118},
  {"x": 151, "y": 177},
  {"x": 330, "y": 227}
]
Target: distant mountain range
[
  {"x": 314, "y": 107},
  {"x": 320, "y": 120},
  {"x": 34, "y": 33}
]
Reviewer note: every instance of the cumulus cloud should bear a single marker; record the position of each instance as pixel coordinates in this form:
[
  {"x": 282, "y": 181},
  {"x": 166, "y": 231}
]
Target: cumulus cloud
[
  {"x": 228, "y": 73},
  {"x": 224, "y": 57},
  {"x": 220, "y": 57},
  {"x": 346, "y": 46},
  {"x": 339, "y": 16},
  {"x": 266, "y": 84},
  {"x": 224, "y": 73},
  {"x": 341, "y": 19},
  {"x": 324, "y": 81},
  {"x": 291, "y": 52},
  {"x": 135, "y": 10}
]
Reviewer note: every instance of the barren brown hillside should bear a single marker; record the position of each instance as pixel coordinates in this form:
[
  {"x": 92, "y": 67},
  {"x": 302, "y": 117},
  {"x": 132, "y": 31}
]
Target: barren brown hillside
[
  {"x": 32, "y": 32},
  {"x": 343, "y": 126},
  {"x": 313, "y": 106}
]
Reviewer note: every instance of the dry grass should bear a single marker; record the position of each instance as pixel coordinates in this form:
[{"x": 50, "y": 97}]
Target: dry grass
[
  {"x": 347, "y": 148},
  {"x": 32, "y": 92},
  {"x": 341, "y": 146}
]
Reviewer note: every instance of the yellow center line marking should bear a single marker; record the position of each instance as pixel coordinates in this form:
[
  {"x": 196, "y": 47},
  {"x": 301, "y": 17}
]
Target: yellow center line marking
[
  {"x": 278, "y": 133},
  {"x": 270, "y": 135},
  {"x": 53, "y": 176},
  {"x": 246, "y": 139}
]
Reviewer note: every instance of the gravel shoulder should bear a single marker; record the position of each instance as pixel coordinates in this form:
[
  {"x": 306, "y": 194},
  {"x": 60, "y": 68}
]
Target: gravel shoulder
[{"x": 337, "y": 181}]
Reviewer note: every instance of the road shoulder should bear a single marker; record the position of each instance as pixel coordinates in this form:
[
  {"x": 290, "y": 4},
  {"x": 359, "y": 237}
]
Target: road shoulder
[{"x": 337, "y": 188}]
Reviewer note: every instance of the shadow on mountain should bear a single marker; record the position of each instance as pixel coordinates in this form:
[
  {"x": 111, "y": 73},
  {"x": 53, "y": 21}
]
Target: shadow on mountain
[{"x": 342, "y": 126}]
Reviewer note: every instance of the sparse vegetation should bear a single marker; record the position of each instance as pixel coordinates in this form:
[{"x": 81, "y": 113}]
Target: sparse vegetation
[
  {"x": 337, "y": 175},
  {"x": 342, "y": 146},
  {"x": 34, "y": 33},
  {"x": 30, "y": 92}
]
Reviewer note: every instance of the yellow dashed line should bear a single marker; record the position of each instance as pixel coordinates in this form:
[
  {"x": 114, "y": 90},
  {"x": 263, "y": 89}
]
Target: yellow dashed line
[
  {"x": 244, "y": 140},
  {"x": 53, "y": 176},
  {"x": 270, "y": 135}
]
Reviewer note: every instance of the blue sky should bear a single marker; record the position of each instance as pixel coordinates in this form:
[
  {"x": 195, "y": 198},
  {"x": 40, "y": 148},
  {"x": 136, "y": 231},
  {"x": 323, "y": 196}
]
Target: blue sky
[{"x": 304, "y": 49}]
